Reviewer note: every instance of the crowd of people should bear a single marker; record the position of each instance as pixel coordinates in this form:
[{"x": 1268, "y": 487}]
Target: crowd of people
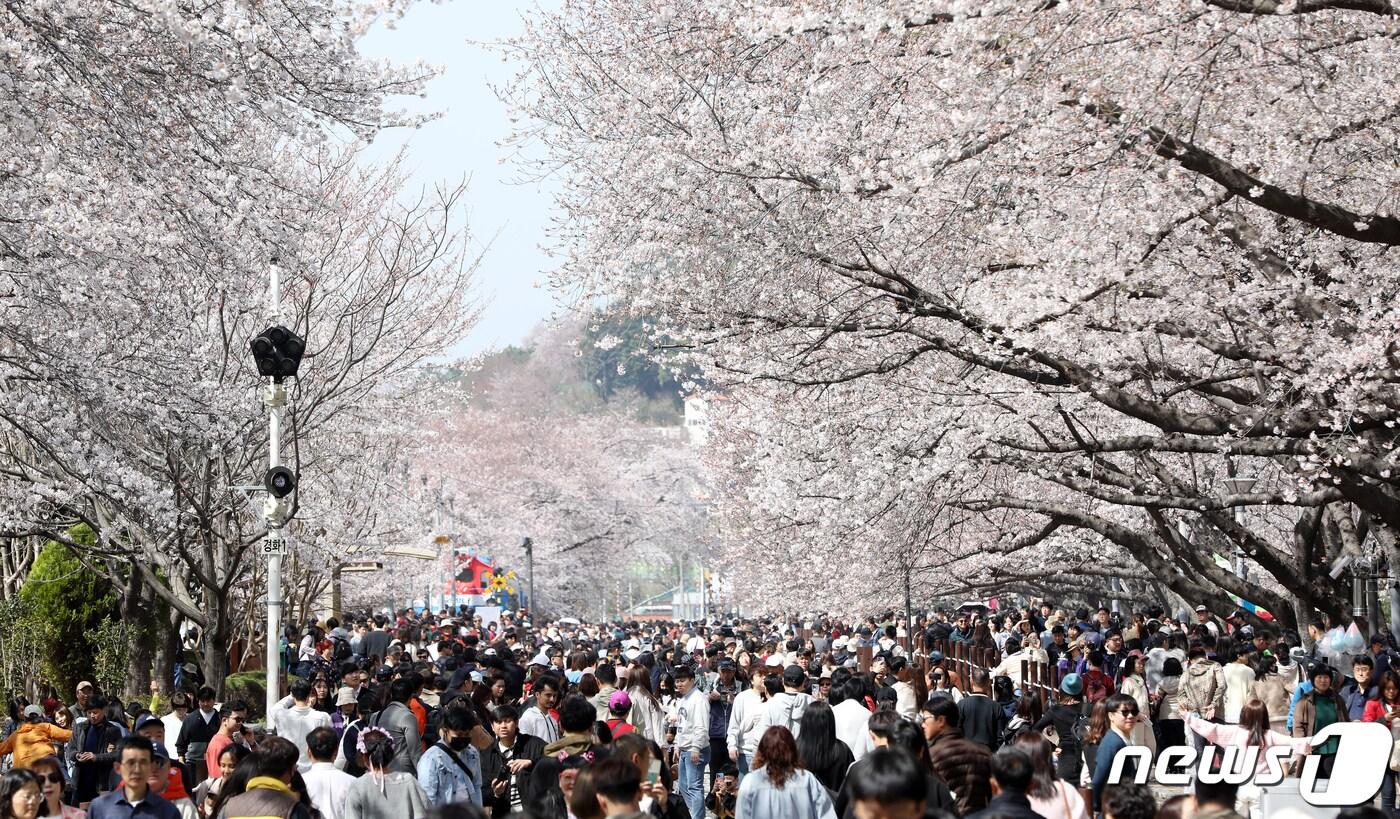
[{"x": 402, "y": 717}]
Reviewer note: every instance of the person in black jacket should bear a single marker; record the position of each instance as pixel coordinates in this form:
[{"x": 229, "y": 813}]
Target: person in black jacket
[
  {"x": 1012, "y": 772},
  {"x": 889, "y": 730},
  {"x": 888, "y": 781},
  {"x": 198, "y": 729},
  {"x": 92, "y": 751},
  {"x": 508, "y": 763},
  {"x": 981, "y": 719}
]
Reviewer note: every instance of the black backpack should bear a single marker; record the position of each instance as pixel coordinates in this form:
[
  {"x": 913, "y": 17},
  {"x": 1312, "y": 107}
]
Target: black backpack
[
  {"x": 340, "y": 650},
  {"x": 1081, "y": 728}
]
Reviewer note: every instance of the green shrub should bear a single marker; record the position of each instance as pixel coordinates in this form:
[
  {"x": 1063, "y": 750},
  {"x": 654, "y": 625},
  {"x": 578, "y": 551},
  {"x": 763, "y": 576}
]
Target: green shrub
[{"x": 73, "y": 602}]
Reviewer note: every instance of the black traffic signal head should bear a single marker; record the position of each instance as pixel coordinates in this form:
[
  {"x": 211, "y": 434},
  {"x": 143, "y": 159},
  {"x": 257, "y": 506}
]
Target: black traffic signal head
[
  {"x": 277, "y": 351},
  {"x": 280, "y": 481}
]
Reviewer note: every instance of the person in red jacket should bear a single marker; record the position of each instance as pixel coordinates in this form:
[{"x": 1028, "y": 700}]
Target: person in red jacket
[{"x": 619, "y": 705}]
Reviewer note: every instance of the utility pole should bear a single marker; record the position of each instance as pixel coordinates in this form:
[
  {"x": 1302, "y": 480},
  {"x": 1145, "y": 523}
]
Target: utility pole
[
  {"x": 530, "y": 567},
  {"x": 275, "y": 396},
  {"x": 704, "y": 603}
]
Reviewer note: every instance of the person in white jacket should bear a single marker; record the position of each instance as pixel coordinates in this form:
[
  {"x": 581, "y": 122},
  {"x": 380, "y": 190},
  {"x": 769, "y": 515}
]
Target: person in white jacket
[
  {"x": 786, "y": 708},
  {"x": 294, "y": 718},
  {"x": 907, "y": 699},
  {"x": 1011, "y": 666},
  {"x": 692, "y": 739},
  {"x": 646, "y": 715},
  {"x": 852, "y": 717},
  {"x": 742, "y": 735}
]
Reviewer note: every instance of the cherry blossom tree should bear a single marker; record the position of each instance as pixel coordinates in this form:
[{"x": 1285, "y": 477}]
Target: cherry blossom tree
[
  {"x": 161, "y": 157},
  {"x": 534, "y": 452},
  {"x": 1021, "y": 284}
]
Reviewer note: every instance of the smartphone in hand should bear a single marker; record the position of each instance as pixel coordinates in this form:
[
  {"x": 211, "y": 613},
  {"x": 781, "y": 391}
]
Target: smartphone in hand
[{"x": 654, "y": 772}]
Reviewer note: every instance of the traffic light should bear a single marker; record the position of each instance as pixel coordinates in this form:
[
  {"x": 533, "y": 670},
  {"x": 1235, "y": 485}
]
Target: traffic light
[
  {"x": 280, "y": 481},
  {"x": 277, "y": 351}
]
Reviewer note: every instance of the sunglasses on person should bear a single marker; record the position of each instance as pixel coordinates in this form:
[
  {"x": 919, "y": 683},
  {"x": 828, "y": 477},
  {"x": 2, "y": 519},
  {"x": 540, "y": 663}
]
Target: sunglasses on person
[
  {"x": 55, "y": 777},
  {"x": 1128, "y": 711}
]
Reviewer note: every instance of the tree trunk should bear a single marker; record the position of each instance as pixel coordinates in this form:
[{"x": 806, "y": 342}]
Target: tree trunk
[
  {"x": 214, "y": 645},
  {"x": 136, "y": 609},
  {"x": 168, "y": 652}
]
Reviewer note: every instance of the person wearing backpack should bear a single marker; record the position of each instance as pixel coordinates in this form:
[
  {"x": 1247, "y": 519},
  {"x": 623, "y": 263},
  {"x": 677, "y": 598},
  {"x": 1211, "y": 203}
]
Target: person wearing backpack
[
  {"x": 1098, "y": 686},
  {"x": 399, "y": 721},
  {"x": 1066, "y": 716}
]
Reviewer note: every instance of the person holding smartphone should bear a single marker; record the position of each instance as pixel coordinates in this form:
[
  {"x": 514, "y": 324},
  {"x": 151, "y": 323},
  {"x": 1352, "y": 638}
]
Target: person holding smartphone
[{"x": 508, "y": 762}]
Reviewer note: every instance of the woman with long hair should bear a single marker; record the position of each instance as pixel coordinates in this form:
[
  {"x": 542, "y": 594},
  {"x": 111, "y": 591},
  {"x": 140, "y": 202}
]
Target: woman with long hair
[
  {"x": 53, "y": 780},
  {"x": 1094, "y": 732},
  {"x": 1051, "y": 796},
  {"x": 382, "y": 793},
  {"x": 1026, "y": 712},
  {"x": 778, "y": 788},
  {"x": 206, "y": 793},
  {"x": 666, "y": 696},
  {"x": 1131, "y": 683},
  {"x": 62, "y": 718},
  {"x": 1169, "y": 726},
  {"x": 1385, "y": 709},
  {"x": 495, "y": 686},
  {"x": 20, "y": 794},
  {"x": 1253, "y": 731},
  {"x": 818, "y": 749},
  {"x": 646, "y": 716},
  {"x": 322, "y": 697}
]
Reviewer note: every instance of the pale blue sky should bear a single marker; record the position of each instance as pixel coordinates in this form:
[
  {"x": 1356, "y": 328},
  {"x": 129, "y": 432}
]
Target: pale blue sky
[{"x": 512, "y": 217}]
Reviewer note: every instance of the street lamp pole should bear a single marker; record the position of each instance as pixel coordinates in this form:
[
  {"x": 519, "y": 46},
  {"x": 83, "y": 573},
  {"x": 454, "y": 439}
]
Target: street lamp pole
[
  {"x": 530, "y": 567},
  {"x": 275, "y": 396}
]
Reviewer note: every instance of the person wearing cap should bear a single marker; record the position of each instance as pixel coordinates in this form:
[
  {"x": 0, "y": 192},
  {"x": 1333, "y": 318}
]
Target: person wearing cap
[
  {"x": 168, "y": 781},
  {"x": 619, "y": 708},
  {"x": 721, "y": 696},
  {"x": 134, "y": 757},
  {"x": 33, "y": 739},
  {"x": 1204, "y": 618},
  {"x": 93, "y": 750},
  {"x": 1066, "y": 716},
  {"x": 450, "y": 770},
  {"x": 78, "y": 710},
  {"x": 692, "y": 740}
]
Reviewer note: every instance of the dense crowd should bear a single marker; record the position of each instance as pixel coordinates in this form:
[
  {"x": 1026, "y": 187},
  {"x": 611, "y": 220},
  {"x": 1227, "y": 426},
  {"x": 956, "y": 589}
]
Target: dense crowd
[{"x": 403, "y": 717}]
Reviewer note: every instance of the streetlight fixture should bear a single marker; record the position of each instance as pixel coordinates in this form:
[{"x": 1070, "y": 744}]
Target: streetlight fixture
[
  {"x": 277, "y": 352},
  {"x": 1239, "y": 486}
]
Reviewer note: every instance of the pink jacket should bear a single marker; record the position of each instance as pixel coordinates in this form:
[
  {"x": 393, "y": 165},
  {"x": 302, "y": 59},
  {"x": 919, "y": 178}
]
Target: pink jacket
[{"x": 1237, "y": 737}]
